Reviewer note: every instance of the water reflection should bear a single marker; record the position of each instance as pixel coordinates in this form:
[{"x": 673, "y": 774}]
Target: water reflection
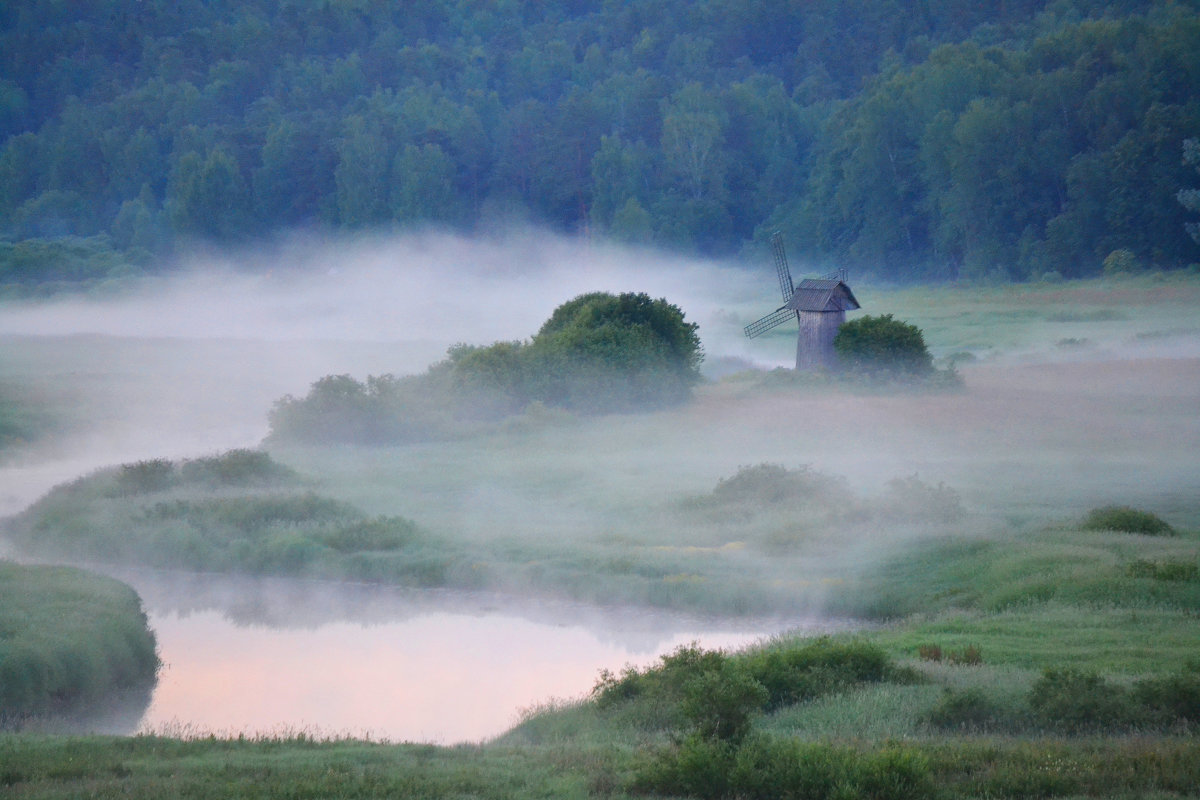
[{"x": 276, "y": 656}]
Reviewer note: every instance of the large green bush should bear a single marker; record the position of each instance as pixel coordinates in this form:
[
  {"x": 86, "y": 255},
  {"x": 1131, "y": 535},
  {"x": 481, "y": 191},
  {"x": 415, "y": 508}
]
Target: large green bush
[
  {"x": 1126, "y": 519},
  {"x": 883, "y": 346}
]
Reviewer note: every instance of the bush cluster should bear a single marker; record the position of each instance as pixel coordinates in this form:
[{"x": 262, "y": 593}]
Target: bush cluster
[
  {"x": 598, "y": 353},
  {"x": 766, "y": 487},
  {"x": 1126, "y": 519},
  {"x": 239, "y": 511},
  {"x": 1073, "y": 701},
  {"x": 884, "y": 347},
  {"x": 767, "y": 768},
  {"x": 712, "y": 694},
  {"x": 238, "y": 468}
]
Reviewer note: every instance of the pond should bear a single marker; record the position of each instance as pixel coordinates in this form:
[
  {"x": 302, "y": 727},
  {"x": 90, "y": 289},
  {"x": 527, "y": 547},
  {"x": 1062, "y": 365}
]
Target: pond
[{"x": 274, "y": 656}]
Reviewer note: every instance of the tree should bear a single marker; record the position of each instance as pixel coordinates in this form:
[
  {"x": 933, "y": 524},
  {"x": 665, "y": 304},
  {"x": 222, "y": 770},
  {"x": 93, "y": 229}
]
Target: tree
[
  {"x": 883, "y": 346},
  {"x": 602, "y": 352},
  {"x": 207, "y": 196},
  {"x": 1190, "y": 198}
]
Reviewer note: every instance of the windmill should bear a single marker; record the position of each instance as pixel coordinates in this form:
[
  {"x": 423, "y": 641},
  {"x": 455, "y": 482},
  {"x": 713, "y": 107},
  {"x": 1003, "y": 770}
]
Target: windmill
[{"x": 819, "y": 305}]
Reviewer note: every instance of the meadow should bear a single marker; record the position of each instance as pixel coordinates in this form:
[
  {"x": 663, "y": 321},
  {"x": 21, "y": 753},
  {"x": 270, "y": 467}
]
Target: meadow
[{"x": 1007, "y": 646}]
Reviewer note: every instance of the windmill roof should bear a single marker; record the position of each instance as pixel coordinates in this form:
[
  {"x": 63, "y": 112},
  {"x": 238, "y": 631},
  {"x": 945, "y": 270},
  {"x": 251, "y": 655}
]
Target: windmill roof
[{"x": 819, "y": 294}]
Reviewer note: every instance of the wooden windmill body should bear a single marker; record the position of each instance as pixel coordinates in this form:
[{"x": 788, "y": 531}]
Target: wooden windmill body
[{"x": 818, "y": 304}]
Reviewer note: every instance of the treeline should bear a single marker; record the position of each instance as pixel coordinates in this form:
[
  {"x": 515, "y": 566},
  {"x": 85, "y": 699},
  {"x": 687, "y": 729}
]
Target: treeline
[{"x": 944, "y": 138}]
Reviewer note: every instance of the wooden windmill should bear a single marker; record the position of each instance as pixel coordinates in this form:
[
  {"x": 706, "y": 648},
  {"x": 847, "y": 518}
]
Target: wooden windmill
[{"x": 818, "y": 304}]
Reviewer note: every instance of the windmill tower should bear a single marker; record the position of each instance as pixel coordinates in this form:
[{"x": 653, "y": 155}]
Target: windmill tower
[{"x": 818, "y": 304}]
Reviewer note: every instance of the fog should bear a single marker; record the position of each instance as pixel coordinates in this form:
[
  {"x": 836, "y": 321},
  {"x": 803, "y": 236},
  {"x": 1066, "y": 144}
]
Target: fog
[{"x": 188, "y": 364}]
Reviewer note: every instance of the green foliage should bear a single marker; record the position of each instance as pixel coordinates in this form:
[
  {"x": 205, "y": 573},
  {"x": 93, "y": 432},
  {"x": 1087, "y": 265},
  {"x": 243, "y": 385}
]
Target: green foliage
[
  {"x": 769, "y": 484},
  {"x": 240, "y": 467},
  {"x": 712, "y": 697},
  {"x": 796, "y": 673},
  {"x": 239, "y": 511},
  {"x": 883, "y": 346},
  {"x": 916, "y": 145},
  {"x": 1074, "y": 701},
  {"x": 604, "y": 352},
  {"x": 69, "y": 639},
  {"x": 1127, "y": 520},
  {"x": 62, "y": 261},
  {"x": 598, "y": 353},
  {"x": 1171, "y": 699},
  {"x": 765, "y": 768},
  {"x": 968, "y": 710},
  {"x": 1120, "y": 262}
]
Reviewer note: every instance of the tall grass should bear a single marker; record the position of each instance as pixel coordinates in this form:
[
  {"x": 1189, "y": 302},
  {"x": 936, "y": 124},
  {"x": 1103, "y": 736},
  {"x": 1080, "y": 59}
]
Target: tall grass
[{"x": 68, "y": 638}]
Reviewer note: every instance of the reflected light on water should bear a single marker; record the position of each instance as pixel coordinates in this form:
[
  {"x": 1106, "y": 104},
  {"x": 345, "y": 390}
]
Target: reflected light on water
[{"x": 437, "y": 677}]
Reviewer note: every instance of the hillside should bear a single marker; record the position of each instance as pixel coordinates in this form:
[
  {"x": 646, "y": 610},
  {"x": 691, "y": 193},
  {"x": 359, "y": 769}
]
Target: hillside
[{"x": 988, "y": 140}]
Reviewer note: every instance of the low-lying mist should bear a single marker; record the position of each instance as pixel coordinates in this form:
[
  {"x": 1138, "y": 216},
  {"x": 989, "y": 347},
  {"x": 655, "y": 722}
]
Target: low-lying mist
[
  {"x": 190, "y": 364},
  {"x": 191, "y": 361}
]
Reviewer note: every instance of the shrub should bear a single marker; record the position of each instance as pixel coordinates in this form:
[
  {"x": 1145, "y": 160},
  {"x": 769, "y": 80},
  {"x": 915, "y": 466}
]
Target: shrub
[
  {"x": 1121, "y": 262},
  {"x": 968, "y": 709},
  {"x": 144, "y": 477},
  {"x": 883, "y": 346},
  {"x": 930, "y": 652},
  {"x": 970, "y": 656},
  {"x": 1169, "y": 570},
  {"x": 1171, "y": 698},
  {"x": 1127, "y": 520},
  {"x": 237, "y": 468},
  {"x": 766, "y": 768},
  {"x": 601, "y": 352},
  {"x": 1074, "y": 701},
  {"x": 818, "y": 667},
  {"x": 772, "y": 484},
  {"x": 911, "y": 499},
  {"x": 719, "y": 704}
]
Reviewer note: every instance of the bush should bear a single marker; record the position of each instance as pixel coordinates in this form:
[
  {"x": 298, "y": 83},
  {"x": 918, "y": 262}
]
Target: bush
[
  {"x": 603, "y": 352},
  {"x": 883, "y": 347},
  {"x": 719, "y": 704},
  {"x": 1171, "y": 698},
  {"x": 144, "y": 477},
  {"x": 1121, "y": 262},
  {"x": 818, "y": 667},
  {"x": 1127, "y": 520},
  {"x": 773, "y": 484},
  {"x": 767, "y": 768},
  {"x": 241, "y": 467},
  {"x": 1076, "y": 701},
  {"x": 968, "y": 709}
]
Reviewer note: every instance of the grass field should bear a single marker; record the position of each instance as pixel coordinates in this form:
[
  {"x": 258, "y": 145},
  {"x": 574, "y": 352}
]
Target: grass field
[{"x": 1026, "y": 656}]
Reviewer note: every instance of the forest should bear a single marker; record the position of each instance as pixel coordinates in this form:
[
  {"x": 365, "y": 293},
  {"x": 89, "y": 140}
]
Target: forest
[{"x": 935, "y": 140}]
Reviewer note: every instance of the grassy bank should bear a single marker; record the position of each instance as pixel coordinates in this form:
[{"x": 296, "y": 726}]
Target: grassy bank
[{"x": 69, "y": 640}]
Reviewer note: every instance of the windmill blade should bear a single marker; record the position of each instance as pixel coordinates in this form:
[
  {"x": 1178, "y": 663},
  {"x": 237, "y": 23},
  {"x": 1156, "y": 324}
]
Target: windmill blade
[
  {"x": 769, "y": 321},
  {"x": 781, "y": 267}
]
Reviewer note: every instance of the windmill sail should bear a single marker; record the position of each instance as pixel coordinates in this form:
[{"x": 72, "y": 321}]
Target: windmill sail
[
  {"x": 786, "y": 287},
  {"x": 769, "y": 321},
  {"x": 781, "y": 266}
]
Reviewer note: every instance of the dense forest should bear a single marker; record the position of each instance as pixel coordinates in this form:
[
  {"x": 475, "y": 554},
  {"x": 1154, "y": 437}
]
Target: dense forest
[{"x": 934, "y": 139}]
